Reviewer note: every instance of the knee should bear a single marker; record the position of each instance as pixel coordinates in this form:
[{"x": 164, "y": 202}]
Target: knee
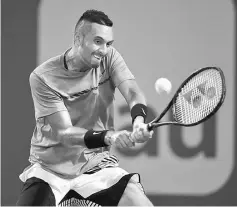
[{"x": 134, "y": 196}]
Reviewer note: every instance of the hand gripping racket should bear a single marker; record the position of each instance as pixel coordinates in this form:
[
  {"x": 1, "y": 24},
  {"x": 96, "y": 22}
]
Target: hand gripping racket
[{"x": 198, "y": 98}]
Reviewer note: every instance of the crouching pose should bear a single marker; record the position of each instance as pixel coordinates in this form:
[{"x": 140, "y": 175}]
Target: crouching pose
[{"x": 73, "y": 95}]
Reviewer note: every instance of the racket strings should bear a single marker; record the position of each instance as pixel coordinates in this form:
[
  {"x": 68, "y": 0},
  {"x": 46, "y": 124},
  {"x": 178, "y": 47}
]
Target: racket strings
[{"x": 198, "y": 97}]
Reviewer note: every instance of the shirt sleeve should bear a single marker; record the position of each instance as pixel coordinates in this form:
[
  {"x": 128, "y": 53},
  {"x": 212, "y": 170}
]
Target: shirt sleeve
[
  {"x": 46, "y": 101},
  {"x": 119, "y": 70}
]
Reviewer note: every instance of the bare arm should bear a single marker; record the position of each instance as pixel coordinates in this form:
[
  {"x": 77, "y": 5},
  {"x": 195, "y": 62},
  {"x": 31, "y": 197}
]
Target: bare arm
[
  {"x": 68, "y": 134},
  {"x": 65, "y": 132},
  {"x": 133, "y": 95}
]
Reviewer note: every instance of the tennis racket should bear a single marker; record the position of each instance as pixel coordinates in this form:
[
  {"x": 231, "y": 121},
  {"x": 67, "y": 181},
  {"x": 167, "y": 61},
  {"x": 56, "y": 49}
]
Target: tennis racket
[{"x": 197, "y": 99}]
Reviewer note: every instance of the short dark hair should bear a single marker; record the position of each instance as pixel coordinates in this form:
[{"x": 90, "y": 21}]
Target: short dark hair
[
  {"x": 95, "y": 16},
  {"x": 92, "y": 16}
]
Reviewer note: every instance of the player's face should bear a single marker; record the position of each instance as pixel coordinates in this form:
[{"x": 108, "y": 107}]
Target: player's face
[{"x": 96, "y": 44}]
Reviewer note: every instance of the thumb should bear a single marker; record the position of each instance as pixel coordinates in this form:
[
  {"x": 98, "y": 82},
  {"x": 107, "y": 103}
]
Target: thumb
[{"x": 151, "y": 133}]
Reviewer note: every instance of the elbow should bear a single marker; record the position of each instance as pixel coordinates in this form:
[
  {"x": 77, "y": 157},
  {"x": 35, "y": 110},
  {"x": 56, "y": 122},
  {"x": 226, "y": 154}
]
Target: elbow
[{"x": 61, "y": 136}]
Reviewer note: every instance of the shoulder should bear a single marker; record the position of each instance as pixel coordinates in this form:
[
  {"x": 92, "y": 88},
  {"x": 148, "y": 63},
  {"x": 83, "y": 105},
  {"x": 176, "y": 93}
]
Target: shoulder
[
  {"x": 39, "y": 75},
  {"x": 113, "y": 57},
  {"x": 48, "y": 66},
  {"x": 113, "y": 53}
]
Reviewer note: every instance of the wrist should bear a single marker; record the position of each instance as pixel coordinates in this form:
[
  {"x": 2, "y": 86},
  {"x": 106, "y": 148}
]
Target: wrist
[
  {"x": 95, "y": 139},
  {"x": 108, "y": 138},
  {"x": 138, "y": 112},
  {"x": 138, "y": 120}
]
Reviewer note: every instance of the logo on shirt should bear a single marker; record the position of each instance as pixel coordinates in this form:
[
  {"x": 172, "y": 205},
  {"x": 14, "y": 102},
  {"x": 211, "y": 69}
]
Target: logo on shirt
[
  {"x": 94, "y": 133},
  {"x": 81, "y": 93}
]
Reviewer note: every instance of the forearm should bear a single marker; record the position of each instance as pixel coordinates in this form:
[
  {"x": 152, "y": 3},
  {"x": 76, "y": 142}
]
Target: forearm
[
  {"x": 136, "y": 97},
  {"x": 138, "y": 108},
  {"x": 83, "y": 137},
  {"x": 72, "y": 136}
]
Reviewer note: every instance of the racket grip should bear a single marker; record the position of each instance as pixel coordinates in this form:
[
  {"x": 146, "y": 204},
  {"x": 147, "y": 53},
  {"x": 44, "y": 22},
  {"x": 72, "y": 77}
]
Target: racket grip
[{"x": 149, "y": 127}]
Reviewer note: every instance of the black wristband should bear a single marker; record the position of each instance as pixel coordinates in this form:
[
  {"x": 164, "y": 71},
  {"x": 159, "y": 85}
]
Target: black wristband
[
  {"x": 95, "y": 139},
  {"x": 139, "y": 110}
]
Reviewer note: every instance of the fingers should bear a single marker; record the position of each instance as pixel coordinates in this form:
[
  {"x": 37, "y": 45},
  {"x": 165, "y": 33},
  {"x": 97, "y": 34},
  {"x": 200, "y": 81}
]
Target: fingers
[
  {"x": 151, "y": 134},
  {"x": 127, "y": 140},
  {"x": 147, "y": 133},
  {"x": 141, "y": 134},
  {"x": 136, "y": 135},
  {"x": 123, "y": 139}
]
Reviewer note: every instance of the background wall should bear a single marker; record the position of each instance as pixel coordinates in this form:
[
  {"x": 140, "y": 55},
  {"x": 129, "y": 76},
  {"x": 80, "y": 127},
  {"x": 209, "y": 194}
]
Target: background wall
[
  {"x": 157, "y": 38},
  {"x": 18, "y": 59}
]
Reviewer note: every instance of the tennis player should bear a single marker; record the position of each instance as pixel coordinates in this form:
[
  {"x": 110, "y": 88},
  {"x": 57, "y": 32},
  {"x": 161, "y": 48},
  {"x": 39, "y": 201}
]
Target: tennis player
[{"x": 73, "y": 96}]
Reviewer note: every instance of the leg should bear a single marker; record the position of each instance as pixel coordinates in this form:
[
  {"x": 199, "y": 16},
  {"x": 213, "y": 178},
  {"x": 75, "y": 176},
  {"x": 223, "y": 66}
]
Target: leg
[
  {"x": 134, "y": 196},
  {"x": 36, "y": 192}
]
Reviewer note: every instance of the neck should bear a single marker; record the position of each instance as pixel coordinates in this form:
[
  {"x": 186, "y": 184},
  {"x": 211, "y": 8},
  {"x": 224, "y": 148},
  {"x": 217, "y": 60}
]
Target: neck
[{"x": 75, "y": 62}]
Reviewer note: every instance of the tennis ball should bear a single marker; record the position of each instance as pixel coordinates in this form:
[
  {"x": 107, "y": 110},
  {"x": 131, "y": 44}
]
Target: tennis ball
[{"x": 163, "y": 85}]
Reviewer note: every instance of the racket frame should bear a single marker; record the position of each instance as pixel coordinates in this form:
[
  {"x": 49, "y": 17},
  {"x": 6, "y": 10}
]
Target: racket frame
[{"x": 155, "y": 122}]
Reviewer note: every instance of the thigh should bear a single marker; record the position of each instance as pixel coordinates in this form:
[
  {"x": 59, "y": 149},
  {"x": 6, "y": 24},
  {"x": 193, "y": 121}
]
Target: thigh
[
  {"x": 134, "y": 196},
  {"x": 36, "y": 192}
]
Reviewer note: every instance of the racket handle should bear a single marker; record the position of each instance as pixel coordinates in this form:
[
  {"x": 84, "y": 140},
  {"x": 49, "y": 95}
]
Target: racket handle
[{"x": 149, "y": 127}]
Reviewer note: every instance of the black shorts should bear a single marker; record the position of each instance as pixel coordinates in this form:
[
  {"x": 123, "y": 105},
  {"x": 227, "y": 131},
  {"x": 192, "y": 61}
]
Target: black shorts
[{"x": 36, "y": 192}]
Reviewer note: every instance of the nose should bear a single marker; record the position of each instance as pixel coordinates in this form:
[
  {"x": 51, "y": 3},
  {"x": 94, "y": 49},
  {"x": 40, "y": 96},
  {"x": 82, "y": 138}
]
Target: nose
[{"x": 103, "y": 49}]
